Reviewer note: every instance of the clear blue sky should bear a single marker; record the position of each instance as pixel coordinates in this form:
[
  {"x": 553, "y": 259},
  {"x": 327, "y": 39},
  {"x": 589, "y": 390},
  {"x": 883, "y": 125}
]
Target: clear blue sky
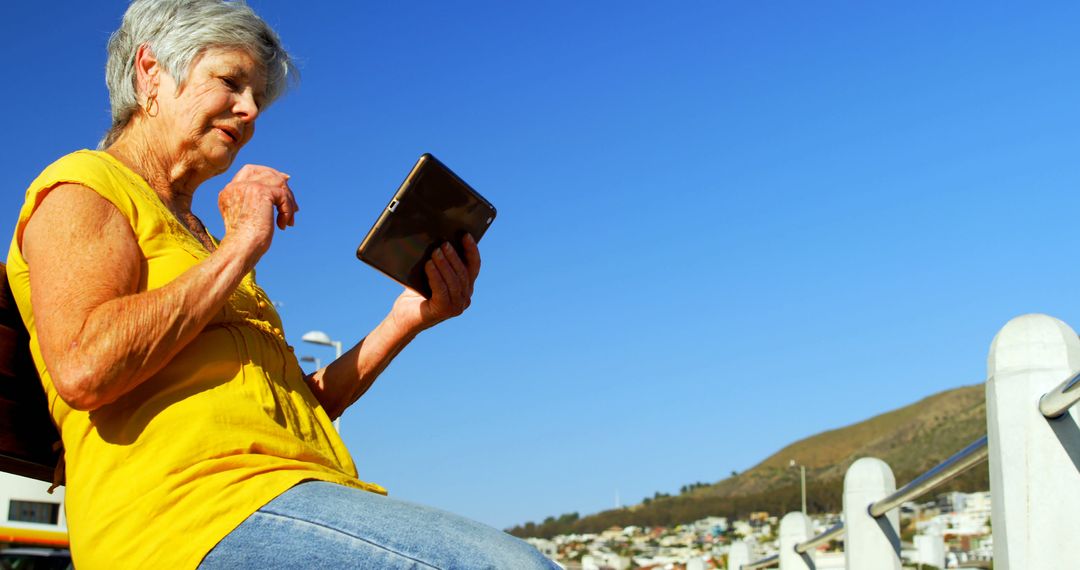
[{"x": 723, "y": 226}]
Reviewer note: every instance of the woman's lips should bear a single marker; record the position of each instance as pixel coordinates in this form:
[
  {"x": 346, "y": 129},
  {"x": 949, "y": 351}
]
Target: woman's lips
[{"x": 229, "y": 134}]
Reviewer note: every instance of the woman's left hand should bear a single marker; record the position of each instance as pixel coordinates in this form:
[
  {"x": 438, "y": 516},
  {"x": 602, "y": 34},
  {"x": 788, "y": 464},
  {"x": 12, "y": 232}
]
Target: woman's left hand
[{"x": 451, "y": 280}]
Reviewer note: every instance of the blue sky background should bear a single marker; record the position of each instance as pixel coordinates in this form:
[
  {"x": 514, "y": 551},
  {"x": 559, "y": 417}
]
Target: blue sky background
[{"x": 723, "y": 226}]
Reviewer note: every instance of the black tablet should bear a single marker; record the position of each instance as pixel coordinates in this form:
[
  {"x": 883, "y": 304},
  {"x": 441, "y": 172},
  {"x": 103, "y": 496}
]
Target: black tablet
[{"x": 432, "y": 206}]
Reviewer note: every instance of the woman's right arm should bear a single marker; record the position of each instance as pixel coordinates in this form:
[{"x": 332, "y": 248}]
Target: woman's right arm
[{"x": 99, "y": 336}]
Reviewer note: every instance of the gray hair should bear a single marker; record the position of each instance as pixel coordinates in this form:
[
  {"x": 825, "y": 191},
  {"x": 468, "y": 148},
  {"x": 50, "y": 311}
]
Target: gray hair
[{"x": 178, "y": 32}]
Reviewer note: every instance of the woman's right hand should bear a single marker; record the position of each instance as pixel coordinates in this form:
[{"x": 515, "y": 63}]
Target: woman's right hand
[
  {"x": 248, "y": 205},
  {"x": 100, "y": 335}
]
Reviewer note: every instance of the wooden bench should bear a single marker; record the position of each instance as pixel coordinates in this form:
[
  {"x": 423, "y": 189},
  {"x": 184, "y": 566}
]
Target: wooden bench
[{"x": 29, "y": 442}]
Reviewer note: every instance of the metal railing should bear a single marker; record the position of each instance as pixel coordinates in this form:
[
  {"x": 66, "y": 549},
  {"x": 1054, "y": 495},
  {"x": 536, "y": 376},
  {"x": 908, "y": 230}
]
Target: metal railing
[
  {"x": 1036, "y": 458},
  {"x": 763, "y": 563},
  {"x": 834, "y": 532},
  {"x": 963, "y": 460},
  {"x": 1056, "y": 402},
  {"x": 940, "y": 474}
]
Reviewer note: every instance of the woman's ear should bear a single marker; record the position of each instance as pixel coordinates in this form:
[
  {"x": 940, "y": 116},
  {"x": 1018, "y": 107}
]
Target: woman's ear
[{"x": 147, "y": 72}]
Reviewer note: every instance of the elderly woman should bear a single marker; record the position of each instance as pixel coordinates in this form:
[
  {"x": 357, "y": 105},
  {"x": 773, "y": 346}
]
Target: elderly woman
[{"x": 192, "y": 437}]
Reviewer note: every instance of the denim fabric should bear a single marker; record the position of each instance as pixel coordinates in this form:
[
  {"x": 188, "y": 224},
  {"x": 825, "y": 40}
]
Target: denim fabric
[{"x": 323, "y": 525}]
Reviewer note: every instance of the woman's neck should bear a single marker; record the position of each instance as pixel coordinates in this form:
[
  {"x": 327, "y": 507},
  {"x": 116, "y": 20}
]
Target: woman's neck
[{"x": 173, "y": 181}]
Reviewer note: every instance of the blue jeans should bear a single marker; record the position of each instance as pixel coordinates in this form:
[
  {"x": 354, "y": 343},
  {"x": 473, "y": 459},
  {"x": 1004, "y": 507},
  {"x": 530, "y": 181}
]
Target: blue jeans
[{"x": 324, "y": 525}]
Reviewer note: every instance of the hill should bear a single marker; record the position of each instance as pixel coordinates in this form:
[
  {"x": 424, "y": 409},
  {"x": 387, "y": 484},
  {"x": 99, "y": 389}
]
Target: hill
[{"x": 911, "y": 440}]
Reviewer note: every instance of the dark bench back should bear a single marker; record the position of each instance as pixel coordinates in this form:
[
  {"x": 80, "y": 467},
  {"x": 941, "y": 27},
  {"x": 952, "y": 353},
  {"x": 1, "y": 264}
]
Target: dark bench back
[{"x": 27, "y": 433}]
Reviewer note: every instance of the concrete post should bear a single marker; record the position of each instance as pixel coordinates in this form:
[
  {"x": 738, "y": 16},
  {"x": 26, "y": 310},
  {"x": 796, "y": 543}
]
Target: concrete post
[
  {"x": 1034, "y": 462},
  {"x": 794, "y": 528},
  {"x": 738, "y": 555},
  {"x": 930, "y": 549},
  {"x": 869, "y": 543}
]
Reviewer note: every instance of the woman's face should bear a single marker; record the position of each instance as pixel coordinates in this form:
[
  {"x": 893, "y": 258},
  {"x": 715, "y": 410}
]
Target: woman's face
[{"x": 208, "y": 122}]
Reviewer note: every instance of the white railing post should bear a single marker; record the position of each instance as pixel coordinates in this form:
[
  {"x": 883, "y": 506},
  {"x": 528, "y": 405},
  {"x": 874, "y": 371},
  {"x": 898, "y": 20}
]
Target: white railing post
[
  {"x": 738, "y": 555},
  {"x": 1034, "y": 462},
  {"x": 794, "y": 528},
  {"x": 930, "y": 549},
  {"x": 870, "y": 543}
]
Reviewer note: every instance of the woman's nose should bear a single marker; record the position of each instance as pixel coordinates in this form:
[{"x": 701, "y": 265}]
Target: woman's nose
[{"x": 245, "y": 106}]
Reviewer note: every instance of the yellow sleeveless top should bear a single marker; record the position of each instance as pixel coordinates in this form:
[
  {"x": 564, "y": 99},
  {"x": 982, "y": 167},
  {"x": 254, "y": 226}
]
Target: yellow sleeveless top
[{"x": 158, "y": 477}]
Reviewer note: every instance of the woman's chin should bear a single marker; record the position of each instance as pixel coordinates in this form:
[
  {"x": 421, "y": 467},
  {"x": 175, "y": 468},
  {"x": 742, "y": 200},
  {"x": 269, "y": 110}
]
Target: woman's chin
[{"x": 218, "y": 160}]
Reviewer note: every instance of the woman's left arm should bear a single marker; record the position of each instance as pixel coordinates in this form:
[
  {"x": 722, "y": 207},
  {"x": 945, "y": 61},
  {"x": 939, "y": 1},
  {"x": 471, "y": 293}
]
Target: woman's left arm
[{"x": 341, "y": 383}]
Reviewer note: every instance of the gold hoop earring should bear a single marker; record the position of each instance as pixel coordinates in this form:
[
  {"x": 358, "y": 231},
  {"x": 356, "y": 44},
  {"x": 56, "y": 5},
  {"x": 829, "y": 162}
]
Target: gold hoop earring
[{"x": 150, "y": 101}]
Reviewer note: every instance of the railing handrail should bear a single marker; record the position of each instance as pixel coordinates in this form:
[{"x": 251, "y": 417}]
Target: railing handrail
[
  {"x": 1056, "y": 402},
  {"x": 763, "y": 563},
  {"x": 965, "y": 459},
  {"x": 832, "y": 532}
]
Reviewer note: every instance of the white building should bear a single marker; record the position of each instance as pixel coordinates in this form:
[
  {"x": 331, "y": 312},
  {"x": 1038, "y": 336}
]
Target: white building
[
  {"x": 545, "y": 546},
  {"x": 743, "y": 529},
  {"x": 604, "y": 561},
  {"x": 712, "y": 524},
  {"x": 30, "y": 514},
  {"x": 978, "y": 503}
]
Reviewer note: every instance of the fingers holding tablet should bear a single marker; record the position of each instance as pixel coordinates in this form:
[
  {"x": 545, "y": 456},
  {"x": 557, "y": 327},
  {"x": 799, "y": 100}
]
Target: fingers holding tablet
[
  {"x": 451, "y": 282},
  {"x": 472, "y": 255},
  {"x": 461, "y": 273}
]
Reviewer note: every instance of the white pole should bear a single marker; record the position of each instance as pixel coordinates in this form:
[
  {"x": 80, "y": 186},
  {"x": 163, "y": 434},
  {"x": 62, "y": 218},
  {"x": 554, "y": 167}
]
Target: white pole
[
  {"x": 1034, "y": 462},
  {"x": 870, "y": 543},
  {"x": 794, "y": 528},
  {"x": 802, "y": 470},
  {"x": 738, "y": 555}
]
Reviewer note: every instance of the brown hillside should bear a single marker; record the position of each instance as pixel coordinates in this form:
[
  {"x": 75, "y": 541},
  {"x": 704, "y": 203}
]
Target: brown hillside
[{"x": 911, "y": 440}]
